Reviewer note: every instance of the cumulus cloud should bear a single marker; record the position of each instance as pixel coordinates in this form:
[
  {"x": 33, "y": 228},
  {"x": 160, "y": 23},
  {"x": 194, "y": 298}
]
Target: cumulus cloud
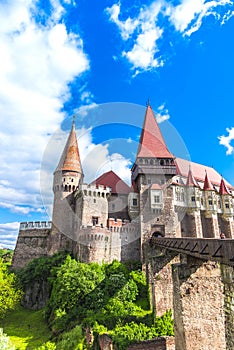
[
  {"x": 226, "y": 141},
  {"x": 144, "y": 32},
  {"x": 39, "y": 59},
  {"x": 8, "y": 234},
  {"x": 188, "y": 16}
]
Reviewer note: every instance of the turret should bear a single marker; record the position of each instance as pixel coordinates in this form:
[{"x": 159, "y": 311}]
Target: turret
[
  {"x": 226, "y": 199},
  {"x": 68, "y": 176},
  {"x": 154, "y": 163},
  {"x": 193, "y": 191}
]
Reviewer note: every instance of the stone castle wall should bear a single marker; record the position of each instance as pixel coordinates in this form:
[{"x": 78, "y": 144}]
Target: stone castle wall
[{"x": 31, "y": 242}]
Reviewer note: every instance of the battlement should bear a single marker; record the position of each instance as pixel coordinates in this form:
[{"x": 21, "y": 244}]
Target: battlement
[
  {"x": 40, "y": 225},
  {"x": 127, "y": 228},
  {"x": 95, "y": 190}
]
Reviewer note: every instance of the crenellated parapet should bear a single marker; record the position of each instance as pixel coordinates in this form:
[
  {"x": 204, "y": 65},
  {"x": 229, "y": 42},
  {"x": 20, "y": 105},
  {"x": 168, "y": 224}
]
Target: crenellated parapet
[
  {"x": 39, "y": 225},
  {"x": 97, "y": 191}
]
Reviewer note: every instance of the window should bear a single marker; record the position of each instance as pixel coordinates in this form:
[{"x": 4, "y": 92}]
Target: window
[
  {"x": 95, "y": 220},
  {"x": 210, "y": 202},
  {"x": 94, "y": 200},
  {"x": 227, "y": 205},
  {"x": 157, "y": 199},
  {"x": 134, "y": 202},
  {"x": 193, "y": 198},
  {"x": 113, "y": 206},
  {"x": 149, "y": 181}
]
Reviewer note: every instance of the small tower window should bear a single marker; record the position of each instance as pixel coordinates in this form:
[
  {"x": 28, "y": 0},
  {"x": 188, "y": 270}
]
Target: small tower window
[
  {"x": 193, "y": 198},
  {"x": 95, "y": 220},
  {"x": 134, "y": 201},
  {"x": 157, "y": 199}
]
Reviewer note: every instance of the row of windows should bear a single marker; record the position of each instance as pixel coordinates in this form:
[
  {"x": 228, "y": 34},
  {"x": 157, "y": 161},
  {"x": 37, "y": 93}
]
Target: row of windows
[
  {"x": 95, "y": 194},
  {"x": 154, "y": 161},
  {"x": 66, "y": 188}
]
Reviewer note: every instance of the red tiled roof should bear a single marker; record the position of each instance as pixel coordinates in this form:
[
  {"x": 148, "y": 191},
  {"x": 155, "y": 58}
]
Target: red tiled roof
[
  {"x": 199, "y": 171},
  {"x": 111, "y": 179},
  {"x": 191, "y": 181},
  {"x": 223, "y": 188},
  {"x": 152, "y": 143},
  {"x": 207, "y": 184},
  {"x": 70, "y": 159}
]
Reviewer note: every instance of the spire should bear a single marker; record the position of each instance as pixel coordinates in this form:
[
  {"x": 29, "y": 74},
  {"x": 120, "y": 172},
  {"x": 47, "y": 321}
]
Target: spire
[
  {"x": 70, "y": 159},
  {"x": 152, "y": 143},
  {"x": 223, "y": 188},
  {"x": 191, "y": 181},
  {"x": 207, "y": 184}
]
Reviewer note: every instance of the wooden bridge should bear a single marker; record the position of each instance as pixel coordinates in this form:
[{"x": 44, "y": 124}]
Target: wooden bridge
[{"x": 221, "y": 250}]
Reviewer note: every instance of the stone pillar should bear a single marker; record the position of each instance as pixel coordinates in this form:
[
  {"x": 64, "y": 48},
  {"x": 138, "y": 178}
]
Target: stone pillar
[
  {"x": 228, "y": 281},
  {"x": 211, "y": 229},
  {"x": 195, "y": 224},
  {"x": 227, "y": 226},
  {"x": 198, "y": 306},
  {"x": 159, "y": 275}
]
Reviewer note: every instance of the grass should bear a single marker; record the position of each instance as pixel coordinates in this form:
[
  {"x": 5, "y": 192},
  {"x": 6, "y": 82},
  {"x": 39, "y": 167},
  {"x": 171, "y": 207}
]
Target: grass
[{"x": 26, "y": 328}]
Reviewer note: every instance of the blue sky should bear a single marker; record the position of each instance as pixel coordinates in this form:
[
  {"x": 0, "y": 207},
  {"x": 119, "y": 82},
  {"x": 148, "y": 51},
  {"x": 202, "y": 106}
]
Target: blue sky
[{"x": 102, "y": 60}]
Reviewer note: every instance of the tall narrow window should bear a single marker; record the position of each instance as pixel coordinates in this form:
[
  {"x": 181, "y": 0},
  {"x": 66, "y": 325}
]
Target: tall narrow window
[{"x": 95, "y": 220}]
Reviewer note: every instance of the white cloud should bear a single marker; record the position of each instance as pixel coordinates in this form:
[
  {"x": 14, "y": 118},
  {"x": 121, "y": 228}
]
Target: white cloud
[
  {"x": 188, "y": 16},
  {"x": 144, "y": 28},
  {"x": 162, "y": 113},
  {"x": 226, "y": 141},
  {"x": 143, "y": 32},
  {"x": 8, "y": 234},
  {"x": 38, "y": 62}
]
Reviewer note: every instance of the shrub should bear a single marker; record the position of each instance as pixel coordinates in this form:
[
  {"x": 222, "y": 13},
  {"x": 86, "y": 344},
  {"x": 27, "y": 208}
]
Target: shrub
[{"x": 5, "y": 343}]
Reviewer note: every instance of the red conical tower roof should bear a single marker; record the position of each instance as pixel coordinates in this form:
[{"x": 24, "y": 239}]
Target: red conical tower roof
[
  {"x": 70, "y": 159},
  {"x": 191, "y": 181},
  {"x": 152, "y": 143},
  {"x": 207, "y": 184},
  {"x": 223, "y": 188}
]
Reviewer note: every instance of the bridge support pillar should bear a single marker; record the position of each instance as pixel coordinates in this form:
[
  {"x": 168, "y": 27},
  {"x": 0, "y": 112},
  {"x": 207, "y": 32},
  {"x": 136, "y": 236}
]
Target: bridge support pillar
[
  {"x": 199, "y": 306},
  {"x": 159, "y": 275}
]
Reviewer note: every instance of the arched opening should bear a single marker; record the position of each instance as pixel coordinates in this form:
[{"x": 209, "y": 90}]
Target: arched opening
[{"x": 157, "y": 234}]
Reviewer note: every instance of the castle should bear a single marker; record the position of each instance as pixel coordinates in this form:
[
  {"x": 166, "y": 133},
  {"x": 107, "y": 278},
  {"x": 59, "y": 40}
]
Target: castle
[{"x": 108, "y": 220}]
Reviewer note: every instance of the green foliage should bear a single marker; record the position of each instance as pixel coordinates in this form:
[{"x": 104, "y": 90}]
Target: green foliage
[
  {"x": 72, "y": 340},
  {"x": 133, "y": 332},
  {"x": 6, "y": 255},
  {"x": 110, "y": 298},
  {"x": 39, "y": 269},
  {"x": 47, "y": 346},
  {"x": 5, "y": 343},
  {"x": 10, "y": 294},
  {"x": 72, "y": 284}
]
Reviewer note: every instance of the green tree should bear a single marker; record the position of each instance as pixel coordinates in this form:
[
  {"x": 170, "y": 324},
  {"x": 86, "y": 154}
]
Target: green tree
[{"x": 10, "y": 294}]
